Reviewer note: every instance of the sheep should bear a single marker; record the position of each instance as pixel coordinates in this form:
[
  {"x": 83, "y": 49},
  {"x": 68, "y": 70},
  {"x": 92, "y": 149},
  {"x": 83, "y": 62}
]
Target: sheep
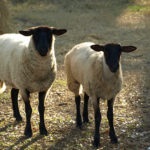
[
  {"x": 97, "y": 69},
  {"x": 28, "y": 64}
]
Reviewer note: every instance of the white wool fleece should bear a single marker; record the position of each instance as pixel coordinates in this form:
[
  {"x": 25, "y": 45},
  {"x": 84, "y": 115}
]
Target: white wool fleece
[
  {"x": 87, "y": 67},
  {"x": 22, "y": 67}
]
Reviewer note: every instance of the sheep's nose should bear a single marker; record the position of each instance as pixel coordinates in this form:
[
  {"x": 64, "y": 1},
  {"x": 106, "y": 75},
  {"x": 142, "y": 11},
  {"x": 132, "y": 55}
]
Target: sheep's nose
[
  {"x": 43, "y": 52},
  {"x": 114, "y": 68}
]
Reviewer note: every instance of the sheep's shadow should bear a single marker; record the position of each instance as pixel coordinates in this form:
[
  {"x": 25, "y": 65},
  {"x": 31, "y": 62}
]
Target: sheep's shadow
[
  {"x": 71, "y": 137},
  {"x": 9, "y": 125},
  {"x": 23, "y": 138}
]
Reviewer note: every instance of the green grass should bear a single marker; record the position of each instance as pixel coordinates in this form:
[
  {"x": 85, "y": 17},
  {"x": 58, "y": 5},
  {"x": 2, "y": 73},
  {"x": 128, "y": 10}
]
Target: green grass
[
  {"x": 60, "y": 82},
  {"x": 139, "y": 8}
]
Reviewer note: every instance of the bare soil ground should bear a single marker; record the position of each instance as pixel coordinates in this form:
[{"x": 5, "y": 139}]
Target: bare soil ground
[{"x": 121, "y": 21}]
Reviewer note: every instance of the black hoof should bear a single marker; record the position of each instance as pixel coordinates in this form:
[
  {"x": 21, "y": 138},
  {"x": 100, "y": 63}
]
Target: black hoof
[
  {"x": 96, "y": 142},
  {"x": 79, "y": 123},
  {"x": 114, "y": 140},
  {"x": 79, "y": 126},
  {"x": 28, "y": 132},
  {"x": 43, "y": 131}
]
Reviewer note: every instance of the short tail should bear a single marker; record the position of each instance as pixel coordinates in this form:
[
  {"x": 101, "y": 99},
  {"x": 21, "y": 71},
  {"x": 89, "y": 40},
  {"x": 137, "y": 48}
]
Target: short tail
[{"x": 2, "y": 87}]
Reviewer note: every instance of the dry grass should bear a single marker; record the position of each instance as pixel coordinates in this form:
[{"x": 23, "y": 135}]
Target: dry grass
[{"x": 100, "y": 22}]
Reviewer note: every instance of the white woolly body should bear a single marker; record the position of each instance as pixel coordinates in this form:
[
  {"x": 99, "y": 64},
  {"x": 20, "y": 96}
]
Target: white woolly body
[
  {"x": 22, "y": 67},
  {"x": 88, "y": 68}
]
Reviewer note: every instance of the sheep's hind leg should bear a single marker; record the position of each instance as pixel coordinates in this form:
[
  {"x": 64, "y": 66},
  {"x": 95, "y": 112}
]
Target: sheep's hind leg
[
  {"x": 78, "y": 114},
  {"x": 14, "y": 97},
  {"x": 112, "y": 134},
  {"x": 85, "y": 109},
  {"x": 41, "y": 109}
]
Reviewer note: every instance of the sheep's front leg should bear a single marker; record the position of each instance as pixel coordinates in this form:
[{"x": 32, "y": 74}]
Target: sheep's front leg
[
  {"x": 97, "y": 116},
  {"x": 14, "y": 97},
  {"x": 41, "y": 109},
  {"x": 112, "y": 134},
  {"x": 28, "y": 110},
  {"x": 85, "y": 109},
  {"x": 78, "y": 115}
]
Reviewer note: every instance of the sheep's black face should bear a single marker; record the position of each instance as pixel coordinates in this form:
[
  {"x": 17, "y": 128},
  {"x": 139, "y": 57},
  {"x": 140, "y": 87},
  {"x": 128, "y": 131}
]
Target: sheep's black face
[
  {"x": 42, "y": 37},
  {"x": 112, "y": 54},
  {"x": 42, "y": 40}
]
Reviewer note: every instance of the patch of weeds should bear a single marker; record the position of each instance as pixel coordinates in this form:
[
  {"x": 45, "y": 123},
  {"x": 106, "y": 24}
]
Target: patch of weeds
[
  {"x": 59, "y": 82},
  {"x": 139, "y": 8}
]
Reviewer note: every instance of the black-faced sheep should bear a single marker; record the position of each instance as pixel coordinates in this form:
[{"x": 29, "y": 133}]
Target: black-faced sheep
[
  {"x": 98, "y": 69},
  {"x": 28, "y": 64}
]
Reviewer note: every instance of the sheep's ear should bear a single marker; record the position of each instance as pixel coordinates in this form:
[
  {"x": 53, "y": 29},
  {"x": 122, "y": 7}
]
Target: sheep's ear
[
  {"x": 26, "y": 32},
  {"x": 128, "y": 49},
  {"x": 97, "y": 47},
  {"x": 59, "y": 31}
]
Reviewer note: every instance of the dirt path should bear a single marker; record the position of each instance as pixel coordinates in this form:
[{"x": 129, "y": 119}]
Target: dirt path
[{"x": 100, "y": 22}]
